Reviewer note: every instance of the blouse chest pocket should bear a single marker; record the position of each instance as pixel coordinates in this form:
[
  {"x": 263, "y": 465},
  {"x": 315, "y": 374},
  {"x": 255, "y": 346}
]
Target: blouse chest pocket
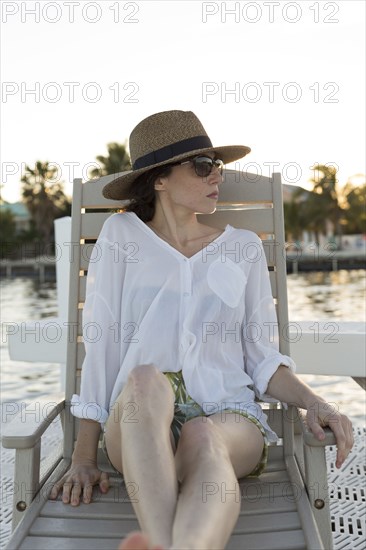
[{"x": 227, "y": 281}]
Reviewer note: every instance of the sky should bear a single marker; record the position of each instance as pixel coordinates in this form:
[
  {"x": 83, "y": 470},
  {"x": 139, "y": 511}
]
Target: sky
[{"x": 284, "y": 78}]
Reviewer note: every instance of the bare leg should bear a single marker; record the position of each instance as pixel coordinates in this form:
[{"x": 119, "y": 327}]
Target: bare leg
[
  {"x": 211, "y": 455},
  {"x": 140, "y": 425}
]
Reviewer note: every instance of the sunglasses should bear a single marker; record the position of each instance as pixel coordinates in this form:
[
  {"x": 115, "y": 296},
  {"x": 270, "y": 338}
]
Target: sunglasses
[{"x": 203, "y": 166}]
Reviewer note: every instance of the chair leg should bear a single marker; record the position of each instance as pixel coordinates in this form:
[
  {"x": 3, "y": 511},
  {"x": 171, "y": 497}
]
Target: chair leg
[
  {"x": 26, "y": 474},
  {"x": 316, "y": 469}
]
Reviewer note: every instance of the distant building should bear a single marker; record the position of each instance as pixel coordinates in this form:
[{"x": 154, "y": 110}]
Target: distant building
[{"x": 21, "y": 215}]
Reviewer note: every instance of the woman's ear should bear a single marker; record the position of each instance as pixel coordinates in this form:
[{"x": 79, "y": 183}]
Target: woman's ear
[{"x": 159, "y": 184}]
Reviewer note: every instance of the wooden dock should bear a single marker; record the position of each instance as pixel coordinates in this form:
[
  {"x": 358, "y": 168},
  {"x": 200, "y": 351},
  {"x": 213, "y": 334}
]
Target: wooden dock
[
  {"x": 300, "y": 261},
  {"x": 41, "y": 268}
]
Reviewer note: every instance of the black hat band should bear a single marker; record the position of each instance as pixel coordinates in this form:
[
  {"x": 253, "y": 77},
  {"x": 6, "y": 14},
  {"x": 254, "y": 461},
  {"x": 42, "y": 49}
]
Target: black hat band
[{"x": 173, "y": 150}]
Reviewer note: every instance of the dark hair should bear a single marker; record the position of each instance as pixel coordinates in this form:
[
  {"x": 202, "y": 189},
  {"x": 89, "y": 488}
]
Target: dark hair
[{"x": 141, "y": 193}]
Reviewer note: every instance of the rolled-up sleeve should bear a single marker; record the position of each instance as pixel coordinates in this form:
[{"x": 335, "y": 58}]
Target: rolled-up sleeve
[
  {"x": 101, "y": 332},
  {"x": 260, "y": 327}
]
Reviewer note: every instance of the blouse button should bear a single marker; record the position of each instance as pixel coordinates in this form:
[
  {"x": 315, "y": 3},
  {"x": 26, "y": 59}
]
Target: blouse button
[{"x": 185, "y": 294}]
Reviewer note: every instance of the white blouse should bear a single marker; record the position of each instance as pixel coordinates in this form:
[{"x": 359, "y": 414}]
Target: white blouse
[{"x": 211, "y": 316}]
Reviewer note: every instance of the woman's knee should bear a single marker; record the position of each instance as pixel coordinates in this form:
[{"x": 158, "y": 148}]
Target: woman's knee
[
  {"x": 146, "y": 384},
  {"x": 140, "y": 375}
]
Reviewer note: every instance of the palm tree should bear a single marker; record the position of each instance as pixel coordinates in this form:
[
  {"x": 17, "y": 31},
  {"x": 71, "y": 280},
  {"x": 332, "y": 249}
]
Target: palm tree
[
  {"x": 293, "y": 220},
  {"x": 303, "y": 213},
  {"x": 118, "y": 160},
  {"x": 310, "y": 210},
  {"x": 355, "y": 207},
  {"x": 325, "y": 199},
  {"x": 44, "y": 199},
  {"x": 7, "y": 232},
  {"x": 1, "y": 198}
]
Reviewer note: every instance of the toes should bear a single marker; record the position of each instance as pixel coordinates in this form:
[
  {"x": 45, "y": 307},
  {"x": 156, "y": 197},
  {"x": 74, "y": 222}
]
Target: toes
[{"x": 135, "y": 541}]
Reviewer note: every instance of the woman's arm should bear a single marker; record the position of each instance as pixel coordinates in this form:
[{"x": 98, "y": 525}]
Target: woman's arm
[
  {"x": 285, "y": 386},
  {"x": 87, "y": 442},
  {"x": 262, "y": 357},
  {"x": 83, "y": 473}
]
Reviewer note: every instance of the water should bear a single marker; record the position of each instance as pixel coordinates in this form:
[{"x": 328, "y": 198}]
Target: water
[
  {"x": 333, "y": 296},
  {"x": 23, "y": 300}
]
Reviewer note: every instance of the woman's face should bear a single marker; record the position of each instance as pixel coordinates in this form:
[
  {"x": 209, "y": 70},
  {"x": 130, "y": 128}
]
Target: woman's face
[{"x": 183, "y": 189}]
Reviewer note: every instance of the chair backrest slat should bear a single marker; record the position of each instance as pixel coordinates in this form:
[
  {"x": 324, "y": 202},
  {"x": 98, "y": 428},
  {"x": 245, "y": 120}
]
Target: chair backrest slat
[
  {"x": 257, "y": 220},
  {"x": 92, "y": 223},
  {"x": 241, "y": 187}
]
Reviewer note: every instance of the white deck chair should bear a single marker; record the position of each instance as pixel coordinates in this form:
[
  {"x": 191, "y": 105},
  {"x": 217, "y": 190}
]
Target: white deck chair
[{"x": 286, "y": 508}]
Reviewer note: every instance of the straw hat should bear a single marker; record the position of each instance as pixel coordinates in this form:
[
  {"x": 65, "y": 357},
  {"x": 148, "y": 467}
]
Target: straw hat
[{"x": 165, "y": 138}]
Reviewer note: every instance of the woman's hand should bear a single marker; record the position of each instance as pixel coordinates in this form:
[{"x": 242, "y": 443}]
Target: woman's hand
[
  {"x": 79, "y": 481},
  {"x": 320, "y": 414},
  {"x": 287, "y": 387}
]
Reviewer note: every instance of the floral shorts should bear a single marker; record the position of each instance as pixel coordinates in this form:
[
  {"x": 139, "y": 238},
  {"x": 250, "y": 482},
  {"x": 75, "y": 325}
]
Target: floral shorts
[{"x": 186, "y": 408}]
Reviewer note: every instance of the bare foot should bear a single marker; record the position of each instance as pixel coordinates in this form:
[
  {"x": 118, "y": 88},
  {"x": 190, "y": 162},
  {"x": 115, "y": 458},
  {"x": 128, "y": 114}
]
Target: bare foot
[{"x": 137, "y": 541}]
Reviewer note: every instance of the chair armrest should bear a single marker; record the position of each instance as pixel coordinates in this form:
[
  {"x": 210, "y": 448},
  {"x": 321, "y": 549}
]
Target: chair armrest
[
  {"x": 310, "y": 439},
  {"x": 27, "y": 427}
]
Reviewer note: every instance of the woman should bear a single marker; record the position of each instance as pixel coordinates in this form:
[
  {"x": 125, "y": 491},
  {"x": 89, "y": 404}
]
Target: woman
[{"x": 167, "y": 374}]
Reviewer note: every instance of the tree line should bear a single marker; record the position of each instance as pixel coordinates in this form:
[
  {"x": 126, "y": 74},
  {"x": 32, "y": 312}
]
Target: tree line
[
  {"x": 45, "y": 200},
  {"x": 344, "y": 209}
]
